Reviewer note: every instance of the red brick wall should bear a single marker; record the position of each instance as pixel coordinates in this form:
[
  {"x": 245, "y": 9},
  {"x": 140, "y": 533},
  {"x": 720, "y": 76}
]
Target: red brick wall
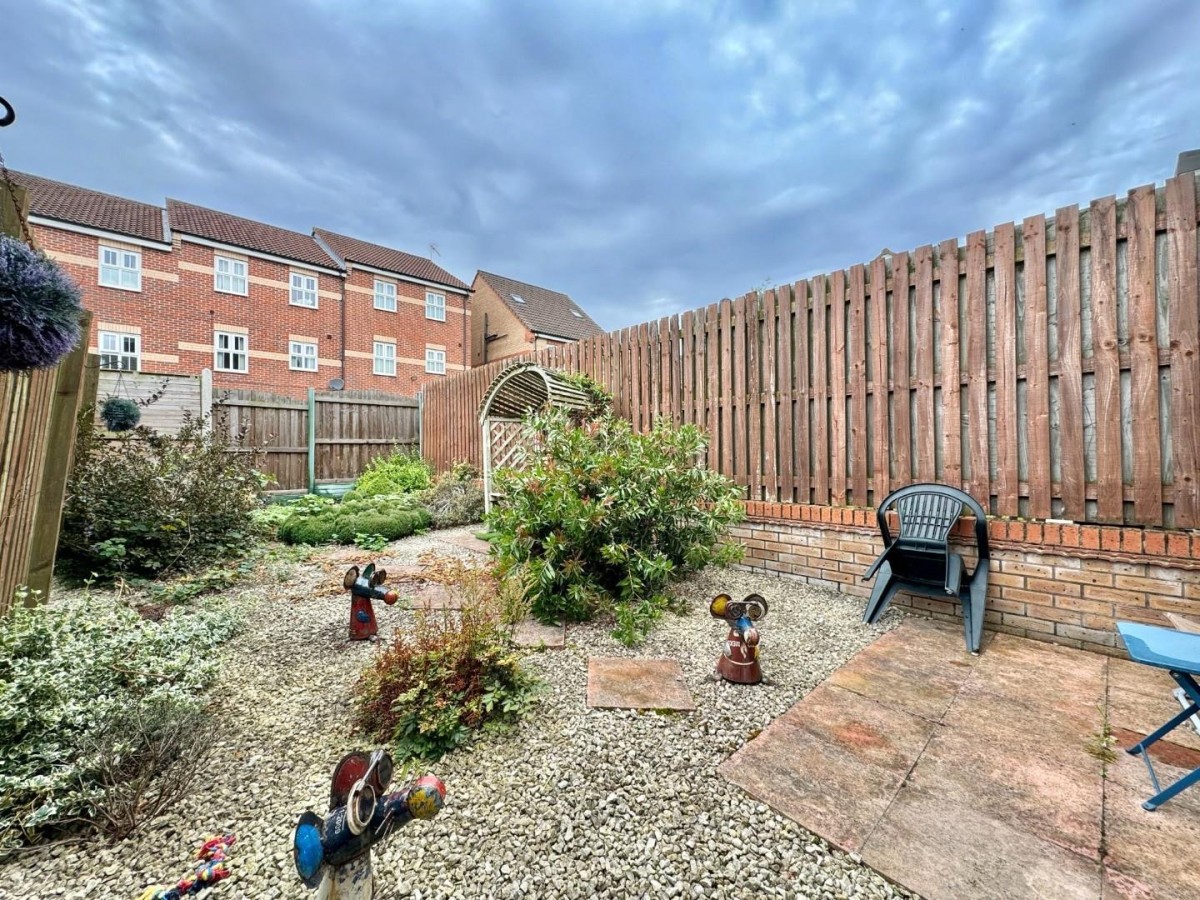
[
  {"x": 178, "y": 307},
  {"x": 1068, "y": 584}
]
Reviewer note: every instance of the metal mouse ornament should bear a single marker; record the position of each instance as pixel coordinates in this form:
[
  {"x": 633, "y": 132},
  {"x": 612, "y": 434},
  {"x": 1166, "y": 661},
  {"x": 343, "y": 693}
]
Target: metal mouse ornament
[
  {"x": 334, "y": 853},
  {"x": 365, "y": 587},
  {"x": 739, "y": 660}
]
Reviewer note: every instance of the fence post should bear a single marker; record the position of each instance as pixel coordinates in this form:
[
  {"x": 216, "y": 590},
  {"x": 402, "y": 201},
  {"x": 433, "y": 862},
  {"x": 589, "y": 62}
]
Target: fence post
[
  {"x": 60, "y": 452},
  {"x": 206, "y": 398},
  {"x": 13, "y": 211},
  {"x": 421, "y": 424},
  {"x": 312, "y": 440}
]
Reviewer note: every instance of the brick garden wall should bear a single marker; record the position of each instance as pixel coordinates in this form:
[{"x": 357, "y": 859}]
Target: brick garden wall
[{"x": 1064, "y": 583}]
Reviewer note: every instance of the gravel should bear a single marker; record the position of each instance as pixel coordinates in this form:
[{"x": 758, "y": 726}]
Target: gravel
[{"x": 575, "y": 803}]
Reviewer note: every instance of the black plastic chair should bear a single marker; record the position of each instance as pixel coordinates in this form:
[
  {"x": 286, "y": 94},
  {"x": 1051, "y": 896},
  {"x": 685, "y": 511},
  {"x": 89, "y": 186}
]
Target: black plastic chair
[{"x": 919, "y": 559}]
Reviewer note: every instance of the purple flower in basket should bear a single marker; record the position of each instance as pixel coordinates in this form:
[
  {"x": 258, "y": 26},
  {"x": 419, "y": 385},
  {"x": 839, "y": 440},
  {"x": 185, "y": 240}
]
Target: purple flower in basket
[{"x": 39, "y": 308}]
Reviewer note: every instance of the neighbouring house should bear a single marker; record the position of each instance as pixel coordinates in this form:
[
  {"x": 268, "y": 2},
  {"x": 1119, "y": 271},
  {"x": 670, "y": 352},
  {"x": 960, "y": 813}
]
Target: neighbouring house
[
  {"x": 406, "y": 318},
  {"x": 181, "y": 288},
  {"x": 511, "y": 317}
]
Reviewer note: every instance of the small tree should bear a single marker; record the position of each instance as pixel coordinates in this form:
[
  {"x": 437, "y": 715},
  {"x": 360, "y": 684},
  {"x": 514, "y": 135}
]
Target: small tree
[{"x": 606, "y": 517}]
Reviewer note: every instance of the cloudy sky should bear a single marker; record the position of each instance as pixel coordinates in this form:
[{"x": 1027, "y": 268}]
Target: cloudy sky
[{"x": 645, "y": 156}]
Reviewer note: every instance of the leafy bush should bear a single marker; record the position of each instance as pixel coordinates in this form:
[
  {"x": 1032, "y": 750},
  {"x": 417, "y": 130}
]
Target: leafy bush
[
  {"x": 144, "y": 503},
  {"x": 75, "y": 680},
  {"x": 607, "y": 517},
  {"x": 600, "y": 400},
  {"x": 389, "y": 517},
  {"x": 456, "y": 498},
  {"x": 399, "y": 473},
  {"x": 453, "y": 675}
]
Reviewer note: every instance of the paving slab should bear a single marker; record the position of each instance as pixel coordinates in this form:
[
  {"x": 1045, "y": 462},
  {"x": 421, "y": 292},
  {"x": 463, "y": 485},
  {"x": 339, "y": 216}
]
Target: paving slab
[
  {"x": 945, "y": 850},
  {"x": 532, "y": 633},
  {"x": 1150, "y": 855},
  {"x": 466, "y": 541},
  {"x": 431, "y": 596},
  {"x": 1143, "y": 713},
  {"x": 619, "y": 682},
  {"x": 832, "y": 763},
  {"x": 917, "y": 667}
]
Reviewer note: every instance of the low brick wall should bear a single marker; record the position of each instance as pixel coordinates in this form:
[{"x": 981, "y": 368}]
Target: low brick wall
[{"x": 1065, "y": 583}]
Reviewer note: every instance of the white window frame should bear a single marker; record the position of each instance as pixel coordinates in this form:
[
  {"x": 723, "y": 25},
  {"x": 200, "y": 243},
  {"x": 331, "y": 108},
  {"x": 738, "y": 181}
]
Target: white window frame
[
  {"x": 123, "y": 272},
  {"x": 385, "y": 358},
  {"x": 435, "y": 306},
  {"x": 232, "y": 351},
  {"x": 298, "y": 352},
  {"x": 236, "y": 282},
  {"x": 435, "y": 361},
  {"x": 303, "y": 290},
  {"x": 385, "y": 295},
  {"x": 119, "y": 351}
]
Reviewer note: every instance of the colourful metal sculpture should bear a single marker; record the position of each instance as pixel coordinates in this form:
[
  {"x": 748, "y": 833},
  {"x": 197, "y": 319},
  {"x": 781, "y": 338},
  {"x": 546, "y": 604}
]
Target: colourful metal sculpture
[
  {"x": 334, "y": 853},
  {"x": 739, "y": 660},
  {"x": 365, "y": 587}
]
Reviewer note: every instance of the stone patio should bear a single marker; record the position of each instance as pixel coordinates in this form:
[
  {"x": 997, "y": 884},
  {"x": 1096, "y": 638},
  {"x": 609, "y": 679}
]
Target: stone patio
[
  {"x": 621, "y": 682},
  {"x": 966, "y": 777}
]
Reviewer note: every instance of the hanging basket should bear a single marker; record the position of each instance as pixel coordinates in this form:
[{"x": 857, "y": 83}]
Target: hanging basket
[
  {"x": 120, "y": 414},
  {"x": 39, "y": 308}
]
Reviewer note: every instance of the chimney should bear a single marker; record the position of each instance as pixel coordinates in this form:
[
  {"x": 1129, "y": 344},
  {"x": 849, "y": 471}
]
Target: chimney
[{"x": 1189, "y": 161}]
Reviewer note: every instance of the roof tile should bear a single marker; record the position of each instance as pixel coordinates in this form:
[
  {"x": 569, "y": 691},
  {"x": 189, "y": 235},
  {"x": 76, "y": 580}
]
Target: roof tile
[
  {"x": 544, "y": 311},
  {"x": 80, "y": 206},
  {"x": 246, "y": 234},
  {"x": 380, "y": 257}
]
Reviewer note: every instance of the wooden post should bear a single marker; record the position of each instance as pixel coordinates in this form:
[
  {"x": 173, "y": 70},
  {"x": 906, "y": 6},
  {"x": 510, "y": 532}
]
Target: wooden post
[
  {"x": 60, "y": 453},
  {"x": 206, "y": 398},
  {"x": 312, "y": 440},
  {"x": 11, "y": 216},
  {"x": 421, "y": 424}
]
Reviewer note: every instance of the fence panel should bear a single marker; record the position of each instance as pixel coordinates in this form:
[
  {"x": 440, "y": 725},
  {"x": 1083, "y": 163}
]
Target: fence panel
[{"x": 1051, "y": 370}]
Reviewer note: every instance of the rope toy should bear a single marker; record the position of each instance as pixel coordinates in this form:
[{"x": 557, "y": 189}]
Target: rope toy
[{"x": 211, "y": 869}]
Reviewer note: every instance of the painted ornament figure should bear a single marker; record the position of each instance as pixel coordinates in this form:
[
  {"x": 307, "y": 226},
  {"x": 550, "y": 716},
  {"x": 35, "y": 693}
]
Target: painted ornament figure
[
  {"x": 334, "y": 854},
  {"x": 364, "y": 588},
  {"x": 739, "y": 660}
]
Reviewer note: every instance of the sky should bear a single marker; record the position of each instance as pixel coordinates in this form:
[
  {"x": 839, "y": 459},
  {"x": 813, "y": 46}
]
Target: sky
[{"x": 645, "y": 156}]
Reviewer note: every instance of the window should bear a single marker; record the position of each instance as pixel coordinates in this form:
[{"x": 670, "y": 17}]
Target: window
[
  {"x": 230, "y": 352},
  {"x": 517, "y": 298},
  {"x": 121, "y": 269},
  {"x": 230, "y": 277},
  {"x": 303, "y": 356},
  {"x": 385, "y": 358},
  {"x": 385, "y": 295},
  {"x": 304, "y": 290},
  {"x": 435, "y": 306},
  {"x": 435, "y": 361},
  {"x": 119, "y": 351}
]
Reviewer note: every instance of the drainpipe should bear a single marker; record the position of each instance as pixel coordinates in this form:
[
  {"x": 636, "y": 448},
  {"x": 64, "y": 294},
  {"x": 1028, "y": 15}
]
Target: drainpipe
[
  {"x": 345, "y": 275},
  {"x": 466, "y": 364}
]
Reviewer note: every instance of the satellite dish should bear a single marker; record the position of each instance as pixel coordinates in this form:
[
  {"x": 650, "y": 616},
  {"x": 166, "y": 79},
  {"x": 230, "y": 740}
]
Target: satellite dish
[{"x": 336, "y": 384}]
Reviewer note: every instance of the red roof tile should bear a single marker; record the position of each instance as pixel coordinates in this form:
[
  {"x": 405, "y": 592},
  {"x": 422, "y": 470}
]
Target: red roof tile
[
  {"x": 224, "y": 228},
  {"x": 379, "y": 257},
  {"x": 80, "y": 206}
]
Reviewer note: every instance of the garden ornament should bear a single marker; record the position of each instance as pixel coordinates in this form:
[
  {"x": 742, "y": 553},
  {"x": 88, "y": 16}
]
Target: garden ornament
[
  {"x": 210, "y": 869},
  {"x": 365, "y": 587},
  {"x": 739, "y": 660},
  {"x": 334, "y": 853}
]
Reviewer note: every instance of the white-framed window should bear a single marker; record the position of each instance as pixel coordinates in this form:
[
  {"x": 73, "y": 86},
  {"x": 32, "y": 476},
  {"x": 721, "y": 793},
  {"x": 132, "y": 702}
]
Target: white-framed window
[
  {"x": 435, "y": 361},
  {"x": 385, "y": 296},
  {"x": 229, "y": 275},
  {"x": 435, "y": 306},
  {"x": 304, "y": 290},
  {"x": 121, "y": 268},
  {"x": 385, "y": 358},
  {"x": 302, "y": 356},
  {"x": 119, "y": 351},
  {"x": 229, "y": 352}
]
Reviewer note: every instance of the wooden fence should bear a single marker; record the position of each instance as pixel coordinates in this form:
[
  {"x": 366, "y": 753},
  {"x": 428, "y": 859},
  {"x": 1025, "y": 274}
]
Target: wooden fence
[
  {"x": 38, "y": 412},
  {"x": 327, "y": 439},
  {"x": 177, "y": 395},
  {"x": 1049, "y": 369}
]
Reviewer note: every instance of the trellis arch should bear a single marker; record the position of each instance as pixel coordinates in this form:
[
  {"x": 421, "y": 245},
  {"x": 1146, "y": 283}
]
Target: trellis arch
[{"x": 516, "y": 391}]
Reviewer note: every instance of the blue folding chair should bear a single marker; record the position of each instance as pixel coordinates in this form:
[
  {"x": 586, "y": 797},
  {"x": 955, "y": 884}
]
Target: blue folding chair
[{"x": 1179, "y": 653}]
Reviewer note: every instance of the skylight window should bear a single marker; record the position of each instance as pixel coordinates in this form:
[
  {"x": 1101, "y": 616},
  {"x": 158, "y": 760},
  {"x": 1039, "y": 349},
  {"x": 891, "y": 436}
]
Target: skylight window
[
  {"x": 577, "y": 314},
  {"x": 517, "y": 298}
]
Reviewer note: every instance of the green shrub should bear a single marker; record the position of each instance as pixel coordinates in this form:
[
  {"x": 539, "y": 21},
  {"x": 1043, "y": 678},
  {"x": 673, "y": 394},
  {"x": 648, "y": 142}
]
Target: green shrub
[
  {"x": 399, "y": 473},
  {"x": 389, "y": 517},
  {"x": 456, "y": 498},
  {"x": 606, "y": 517},
  {"x": 599, "y": 399},
  {"x": 72, "y": 678},
  {"x": 453, "y": 675},
  {"x": 143, "y": 504}
]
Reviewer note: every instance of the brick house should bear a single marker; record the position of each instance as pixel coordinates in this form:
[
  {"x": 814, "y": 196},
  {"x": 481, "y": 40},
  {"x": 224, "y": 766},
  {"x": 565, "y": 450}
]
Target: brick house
[
  {"x": 406, "y": 318},
  {"x": 510, "y": 317},
  {"x": 182, "y": 288}
]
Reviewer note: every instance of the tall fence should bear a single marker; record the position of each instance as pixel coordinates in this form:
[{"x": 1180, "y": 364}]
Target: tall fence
[
  {"x": 1049, "y": 369},
  {"x": 174, "y": 396},
  {"x": 327, "y": 439}
]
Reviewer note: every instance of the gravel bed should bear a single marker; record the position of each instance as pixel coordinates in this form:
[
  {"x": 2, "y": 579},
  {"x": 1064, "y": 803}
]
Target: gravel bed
[{"x": 576, "y": 803}]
